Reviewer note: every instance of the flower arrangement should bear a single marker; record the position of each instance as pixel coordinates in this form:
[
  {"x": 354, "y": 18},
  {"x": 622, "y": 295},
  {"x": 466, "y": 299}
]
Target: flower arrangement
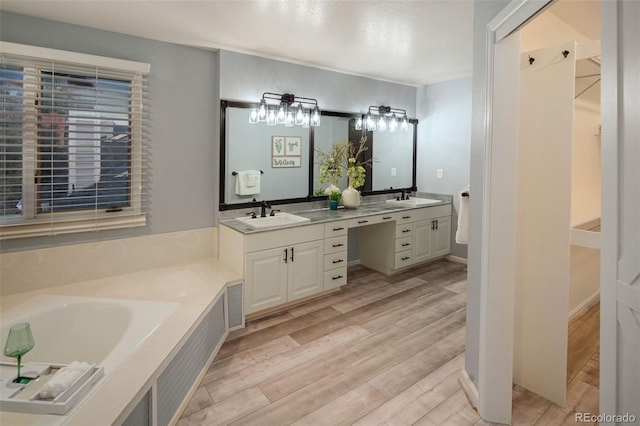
[
  {"x": 331, "y": 163},
  {"x": 355, "y": 168}
]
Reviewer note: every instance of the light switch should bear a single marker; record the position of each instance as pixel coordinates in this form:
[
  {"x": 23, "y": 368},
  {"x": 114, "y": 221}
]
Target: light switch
[
  {"x": 439, "y": 174},
  {"x": 393, "y": 171}
]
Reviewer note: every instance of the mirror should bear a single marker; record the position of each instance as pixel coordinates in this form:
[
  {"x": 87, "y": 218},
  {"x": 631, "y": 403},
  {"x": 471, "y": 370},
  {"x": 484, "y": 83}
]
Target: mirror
[
  {"x": 283, "y": 155},
  {"x": 392, "y": 153}
]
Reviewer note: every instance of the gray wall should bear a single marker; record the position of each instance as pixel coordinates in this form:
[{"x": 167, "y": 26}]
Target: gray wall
[
  {"x": 483, "y": 12},
  {"x": 444, "y": 140},
  {"x": 184, "y": 130},
  {"x": 245, "y": 78}
]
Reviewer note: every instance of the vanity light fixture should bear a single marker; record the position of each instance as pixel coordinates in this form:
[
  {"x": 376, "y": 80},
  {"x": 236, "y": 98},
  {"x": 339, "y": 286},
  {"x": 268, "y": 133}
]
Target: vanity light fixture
[
  {"x": 306, "y": 113},
  {"x": 385, "y": 118}
]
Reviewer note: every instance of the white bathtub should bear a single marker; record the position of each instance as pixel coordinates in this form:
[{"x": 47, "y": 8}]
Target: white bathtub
[{"x": 95, "y": 330}]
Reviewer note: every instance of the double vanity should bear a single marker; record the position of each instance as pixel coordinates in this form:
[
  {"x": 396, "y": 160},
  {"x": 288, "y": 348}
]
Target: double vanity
[{"x": 304, "y": 255}]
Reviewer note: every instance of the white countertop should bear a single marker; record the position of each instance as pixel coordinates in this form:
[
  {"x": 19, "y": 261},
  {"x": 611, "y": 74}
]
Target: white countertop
[{"x": 194, "y": 285}]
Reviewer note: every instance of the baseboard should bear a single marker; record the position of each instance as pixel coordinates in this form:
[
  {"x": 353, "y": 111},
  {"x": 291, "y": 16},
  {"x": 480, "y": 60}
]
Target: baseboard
[
  {"x": 353, "y": 262},
  {"x": 456, "y": 259},
  {"x": 585, "y": 304},
  {"x": 469, "y": 389}
]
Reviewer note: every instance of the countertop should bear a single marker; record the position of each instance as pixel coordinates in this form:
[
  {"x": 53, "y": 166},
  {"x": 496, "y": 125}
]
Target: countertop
[
  {"x": 326, "y": 215},
  {"x": 194, "y": 285}
]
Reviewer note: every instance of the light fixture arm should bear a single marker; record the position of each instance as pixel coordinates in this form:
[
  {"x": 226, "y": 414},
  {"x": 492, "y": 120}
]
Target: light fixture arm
[{"x": 289, "y": 98}]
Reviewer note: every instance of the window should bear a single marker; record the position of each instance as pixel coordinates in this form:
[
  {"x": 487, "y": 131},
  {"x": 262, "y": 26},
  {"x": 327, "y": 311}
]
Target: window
[{"x": 71, "y": 137}]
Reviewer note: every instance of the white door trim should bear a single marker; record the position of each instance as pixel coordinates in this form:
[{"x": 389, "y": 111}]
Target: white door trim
[
  {"x": 496, "y": 278},
  {"x": 610, "y": 204}
]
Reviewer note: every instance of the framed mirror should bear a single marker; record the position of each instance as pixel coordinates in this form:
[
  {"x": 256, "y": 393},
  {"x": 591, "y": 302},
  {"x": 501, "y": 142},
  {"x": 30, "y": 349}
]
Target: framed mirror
[{"x": 285, "y": 160}]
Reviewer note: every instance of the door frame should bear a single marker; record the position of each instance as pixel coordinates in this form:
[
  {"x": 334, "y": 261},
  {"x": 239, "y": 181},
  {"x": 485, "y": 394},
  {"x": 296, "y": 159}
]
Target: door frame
[{"x": 496, "y": 321}]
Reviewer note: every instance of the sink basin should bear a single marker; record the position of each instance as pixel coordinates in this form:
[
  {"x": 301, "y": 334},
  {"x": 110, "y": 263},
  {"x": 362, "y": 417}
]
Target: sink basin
[
  {"x": 414, "y": 202},
  {"x": 280, "y": 219}
]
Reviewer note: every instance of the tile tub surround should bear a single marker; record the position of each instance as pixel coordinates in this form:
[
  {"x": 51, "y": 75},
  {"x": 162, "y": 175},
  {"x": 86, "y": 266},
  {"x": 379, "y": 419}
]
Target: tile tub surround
[
  {"x": 51, "y": 267},
  {"x": 195, "y": 285},
  {"x": 319, "y": 212}
]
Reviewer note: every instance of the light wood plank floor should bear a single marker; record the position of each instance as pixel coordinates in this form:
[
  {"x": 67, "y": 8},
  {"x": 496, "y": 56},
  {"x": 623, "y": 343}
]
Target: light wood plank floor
[{"x": 384, "y": 350}]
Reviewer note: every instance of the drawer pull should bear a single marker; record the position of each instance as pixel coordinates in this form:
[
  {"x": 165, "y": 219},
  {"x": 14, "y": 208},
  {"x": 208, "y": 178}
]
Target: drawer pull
[
  {"x": 286, "y": 253},
  {"x": 338, "y": 261},
  {"x": 338, "y": 245},
  {"x": 387, "y": 217},
  {"x": 363, "y": 221},
  {"x": 406, "y": 217},
  {"x": 406, "y": 244},
  {"x": 405, "y": 258},
  {"x": 406, "y": 230},
  {"x": 338, "y": 277},
  {"x": 338, "y": 229}
]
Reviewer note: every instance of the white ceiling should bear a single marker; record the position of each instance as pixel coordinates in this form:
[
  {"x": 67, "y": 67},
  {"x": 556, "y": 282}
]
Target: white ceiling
[
  {"x": 409, "y": 42},
  {"x": 413, "y": 42}
]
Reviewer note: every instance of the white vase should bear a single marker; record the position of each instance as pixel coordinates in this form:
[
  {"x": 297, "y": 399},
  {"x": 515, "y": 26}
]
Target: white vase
[
  {"x": 331, "y": 189},
  {"x": 351, "y": 197}
]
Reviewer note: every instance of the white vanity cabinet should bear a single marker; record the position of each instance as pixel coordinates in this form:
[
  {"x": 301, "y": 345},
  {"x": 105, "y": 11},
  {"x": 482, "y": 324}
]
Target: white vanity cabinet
[
  {"x": 279, "y": 266},
  {"x": 288, "y": 264}
]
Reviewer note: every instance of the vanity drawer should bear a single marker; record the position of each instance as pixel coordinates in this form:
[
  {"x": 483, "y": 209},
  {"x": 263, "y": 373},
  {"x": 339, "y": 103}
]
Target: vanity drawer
[
  {"x": 404, "y": 230},
  {"x": 335, "y": 260},
  {"x": 403, "y": 259},
  {"x": 382, "y": 218},
  {"x": 406, "y": 217},
  {"x": 362, "y": 221},
  {"x": 335, "y": 244},
  {"x": 413, "y": 215},
  {"x": 334, "y": 229},
  {"x": 335, "y": 278},
  {"x": 403, "y": 244}
]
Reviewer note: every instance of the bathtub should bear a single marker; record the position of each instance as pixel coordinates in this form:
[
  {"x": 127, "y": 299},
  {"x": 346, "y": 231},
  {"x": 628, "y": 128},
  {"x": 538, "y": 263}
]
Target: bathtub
[{"x": 95, "y": 330}]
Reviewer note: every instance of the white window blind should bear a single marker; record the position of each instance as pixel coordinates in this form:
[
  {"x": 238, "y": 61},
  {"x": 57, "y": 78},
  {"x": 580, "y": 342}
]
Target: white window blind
[{"x": 72, "y": 137}]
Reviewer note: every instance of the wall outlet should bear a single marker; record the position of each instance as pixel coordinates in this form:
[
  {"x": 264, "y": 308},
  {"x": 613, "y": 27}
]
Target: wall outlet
[
  {"x": 439, "y": 174},
  {"x": 393, "y": 171}
]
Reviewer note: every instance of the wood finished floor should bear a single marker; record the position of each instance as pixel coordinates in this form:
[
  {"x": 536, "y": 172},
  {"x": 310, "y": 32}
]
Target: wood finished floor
[{"x": 384, "y": 350}]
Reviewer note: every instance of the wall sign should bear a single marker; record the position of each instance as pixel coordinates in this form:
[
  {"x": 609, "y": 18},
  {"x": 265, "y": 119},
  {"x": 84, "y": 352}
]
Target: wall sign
[{"x": 286, "y": 151}]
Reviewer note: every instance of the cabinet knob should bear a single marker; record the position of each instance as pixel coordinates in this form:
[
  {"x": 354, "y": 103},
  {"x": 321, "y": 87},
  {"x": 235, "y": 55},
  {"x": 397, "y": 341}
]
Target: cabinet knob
[
  {"x": 406, "y": 230},
  {"x": 406, "y": 217},
  {"x": 406, "y": 258},
  {"x": 338, "y": 229},
  {"x": 387, "y": 217},
  {"x": 338, "y": 245},
  {"x": 363, "y": 221},
  {"x": 406, "y": 244},
  {"x": 338, "y": 261},
  {"x": 338, "y": 277}
]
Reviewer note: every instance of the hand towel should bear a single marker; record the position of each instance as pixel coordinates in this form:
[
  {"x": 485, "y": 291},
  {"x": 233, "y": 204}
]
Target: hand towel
[
  {"x": 248, "y": 182},
  {"x": 462, "y": 234},
  {"x": 63, "y": 379}
]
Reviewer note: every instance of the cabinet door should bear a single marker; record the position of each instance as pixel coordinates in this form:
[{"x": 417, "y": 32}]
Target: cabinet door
[
  {"x": 422, "y": 245},
  {"x": 265, "y": 279},
  {"x": 305, "y": 269},
  {"x": 442, "y": 236}
]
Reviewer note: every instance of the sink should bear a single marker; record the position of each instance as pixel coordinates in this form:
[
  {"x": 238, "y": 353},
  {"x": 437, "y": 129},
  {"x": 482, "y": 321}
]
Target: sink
[
  {"x": 280, "y": 219},
  {"x": 413, "y": 202}
]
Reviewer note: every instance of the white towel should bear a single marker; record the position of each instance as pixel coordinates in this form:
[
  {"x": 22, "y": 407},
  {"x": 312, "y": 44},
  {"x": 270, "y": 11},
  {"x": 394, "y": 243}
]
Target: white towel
[
  {"x": 63, "y": 379},
  {"x": 462, "y": 234},
  {"x": 248, "y": 182}
]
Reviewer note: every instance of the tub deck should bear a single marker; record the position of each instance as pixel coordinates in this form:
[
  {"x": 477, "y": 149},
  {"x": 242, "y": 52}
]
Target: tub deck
[{"x": 194, "y": 285}]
